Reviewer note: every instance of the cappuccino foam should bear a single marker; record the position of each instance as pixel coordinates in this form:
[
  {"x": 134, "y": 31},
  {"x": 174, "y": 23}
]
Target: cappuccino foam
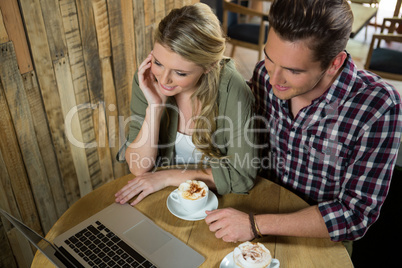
[
  {"x": 252, "y": 255},
  {"x": 193, "y": 190}
]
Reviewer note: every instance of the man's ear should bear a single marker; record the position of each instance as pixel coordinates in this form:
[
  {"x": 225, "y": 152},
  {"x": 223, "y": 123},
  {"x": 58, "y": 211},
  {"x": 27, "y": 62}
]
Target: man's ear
[{"x": 337, "y": 63}]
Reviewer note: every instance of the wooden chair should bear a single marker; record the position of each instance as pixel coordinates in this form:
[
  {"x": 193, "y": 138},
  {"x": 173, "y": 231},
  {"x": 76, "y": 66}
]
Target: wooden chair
[
  {"x": 372, "y": 3},
  {"x": 386, "y": 62},
  {"x": 249, "y": 35}
]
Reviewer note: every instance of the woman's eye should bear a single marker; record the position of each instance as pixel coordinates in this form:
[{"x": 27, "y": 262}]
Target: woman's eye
[
  {"x": 294, "y": 72},
  {"x": 157, "y": 63},
  {"x": 181, "y": 74}
]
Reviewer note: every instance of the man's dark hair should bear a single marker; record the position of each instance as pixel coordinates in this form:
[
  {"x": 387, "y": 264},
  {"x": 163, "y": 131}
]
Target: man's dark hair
[{"x": 324, "y": 24}]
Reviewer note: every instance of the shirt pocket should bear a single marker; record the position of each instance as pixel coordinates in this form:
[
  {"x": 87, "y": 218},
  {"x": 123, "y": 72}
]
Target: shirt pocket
[{"x": 326, "y": 158}]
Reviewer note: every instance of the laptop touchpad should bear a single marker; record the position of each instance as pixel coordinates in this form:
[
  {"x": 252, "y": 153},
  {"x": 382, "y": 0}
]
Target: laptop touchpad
[{"x": 147, "y": 236}]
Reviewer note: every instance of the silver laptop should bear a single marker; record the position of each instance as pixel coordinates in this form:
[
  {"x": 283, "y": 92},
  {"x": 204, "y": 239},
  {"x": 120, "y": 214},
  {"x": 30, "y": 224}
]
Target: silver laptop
[{"x": 117, "y": 236}]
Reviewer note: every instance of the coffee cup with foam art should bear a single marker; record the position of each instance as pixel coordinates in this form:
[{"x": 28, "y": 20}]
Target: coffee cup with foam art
[
  {"x": 192, "y": 195},
  {"x": 252, "y": 255}
]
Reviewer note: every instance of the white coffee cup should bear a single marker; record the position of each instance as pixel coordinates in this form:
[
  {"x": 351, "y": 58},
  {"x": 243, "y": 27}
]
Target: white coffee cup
[{"x": 192, "y": 195}]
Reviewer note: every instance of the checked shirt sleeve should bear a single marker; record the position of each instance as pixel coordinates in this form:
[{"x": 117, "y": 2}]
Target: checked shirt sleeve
[{"x": 368, "y": 175}]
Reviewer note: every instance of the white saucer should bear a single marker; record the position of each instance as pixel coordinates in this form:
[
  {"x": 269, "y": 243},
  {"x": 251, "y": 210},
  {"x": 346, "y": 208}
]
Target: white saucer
[
  {"x": 175, "y": 208},
  {"x": 228, "y": 262}
]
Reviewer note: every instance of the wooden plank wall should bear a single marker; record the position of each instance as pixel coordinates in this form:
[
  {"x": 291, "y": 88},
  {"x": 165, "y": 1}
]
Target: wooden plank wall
[{"x": 66, "y": 68}]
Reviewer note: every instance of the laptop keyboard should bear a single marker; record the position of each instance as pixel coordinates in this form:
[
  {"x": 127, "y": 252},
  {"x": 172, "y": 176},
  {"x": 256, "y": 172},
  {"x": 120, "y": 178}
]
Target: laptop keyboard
[{"x": 100, "y": 247}]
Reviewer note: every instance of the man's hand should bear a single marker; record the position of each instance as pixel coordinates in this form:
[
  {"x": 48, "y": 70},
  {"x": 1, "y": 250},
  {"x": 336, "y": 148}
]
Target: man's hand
[{"x": 230, "y": 224}]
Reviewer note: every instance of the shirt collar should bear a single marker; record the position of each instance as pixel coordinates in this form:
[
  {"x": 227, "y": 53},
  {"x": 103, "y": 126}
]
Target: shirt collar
[{"x": 343, "y": 84}]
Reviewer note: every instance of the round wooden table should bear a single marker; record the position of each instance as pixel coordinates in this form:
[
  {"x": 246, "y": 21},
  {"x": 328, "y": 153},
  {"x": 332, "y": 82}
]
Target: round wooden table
[{"x": 265, "y": 197}]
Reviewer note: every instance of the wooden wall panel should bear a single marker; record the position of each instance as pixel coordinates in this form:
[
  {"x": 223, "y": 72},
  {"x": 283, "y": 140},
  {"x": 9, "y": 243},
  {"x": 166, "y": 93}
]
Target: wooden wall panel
[
  {"x": 109, "y": 91},
  {"x": 129, "y": 50},
  {"x": 72, "y": 125},
  {"x": 16, "y": 194},
  {"x": 77, "y": 64},
  {"x": 21, "y": 248},
  {"x": 53, "y": 25},
  {"x": 45, "y": 142},
  {"x": 92, "y": 63},
  {"x": 66, "y": 68},
  {"x": 120, "y": 22},
  {"x": 169, "y": 4},
  {"x": 8, "y": 203},
  {"x": 7, "y": 258},
  {"x": 139, "y": 30},
  {"x": 160, "y": 11},
  {"x": 149, "y": 12},
  {"x": 44, "y": 70},
  {"x": 3, "y": 31},
  {"x": 22, "y": 120},
  {"x": 15, "y": 30},
  {"x": 17, "y": 179}
]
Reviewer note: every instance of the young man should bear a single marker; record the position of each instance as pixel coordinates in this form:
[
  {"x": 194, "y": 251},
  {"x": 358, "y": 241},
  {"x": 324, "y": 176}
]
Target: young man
[{"x": 333, "y": 131}]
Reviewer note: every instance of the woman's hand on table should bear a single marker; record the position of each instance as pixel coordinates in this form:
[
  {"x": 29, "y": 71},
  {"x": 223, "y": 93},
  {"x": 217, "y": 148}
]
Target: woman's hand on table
[
  {"x": 150, "y": 182},
  {"x": 141, "y": 185},
  {"x": 230, "y": 224}
]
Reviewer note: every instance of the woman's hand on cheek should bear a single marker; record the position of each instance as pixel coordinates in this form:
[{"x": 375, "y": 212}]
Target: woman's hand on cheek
[
  {"x": 142, "y": 185},
  {"x": 148, "y": 83}
]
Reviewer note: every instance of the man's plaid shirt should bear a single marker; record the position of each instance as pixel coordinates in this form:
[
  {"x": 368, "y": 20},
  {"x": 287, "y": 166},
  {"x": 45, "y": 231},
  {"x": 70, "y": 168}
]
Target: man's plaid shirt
[{"x": 340, "y": 151}]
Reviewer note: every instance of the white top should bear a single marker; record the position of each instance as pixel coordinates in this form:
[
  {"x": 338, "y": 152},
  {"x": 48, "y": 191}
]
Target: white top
[{"x": 185, "y": 151}]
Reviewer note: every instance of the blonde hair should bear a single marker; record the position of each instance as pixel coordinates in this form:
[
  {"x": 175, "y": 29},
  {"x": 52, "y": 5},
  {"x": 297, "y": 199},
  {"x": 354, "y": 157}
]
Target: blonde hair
[{"x": 194, "y": 33}]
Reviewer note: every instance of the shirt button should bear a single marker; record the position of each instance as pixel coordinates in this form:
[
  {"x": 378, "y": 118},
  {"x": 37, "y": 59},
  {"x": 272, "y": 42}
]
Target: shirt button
[{"x": 288, "y": 152}]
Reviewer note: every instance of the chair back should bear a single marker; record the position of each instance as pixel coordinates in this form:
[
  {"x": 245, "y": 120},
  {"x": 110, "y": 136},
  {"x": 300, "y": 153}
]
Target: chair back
[
  {"x": 386, "y": 61},
  {"x": 232, "y": 17},
  {"x": 248, "y": 35}
]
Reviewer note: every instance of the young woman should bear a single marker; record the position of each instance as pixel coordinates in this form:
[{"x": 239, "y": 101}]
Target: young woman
[{"x": 190, "y": 105}]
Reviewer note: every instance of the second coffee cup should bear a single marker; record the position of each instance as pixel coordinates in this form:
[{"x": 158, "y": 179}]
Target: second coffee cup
[{"x": 192, "y": 195}]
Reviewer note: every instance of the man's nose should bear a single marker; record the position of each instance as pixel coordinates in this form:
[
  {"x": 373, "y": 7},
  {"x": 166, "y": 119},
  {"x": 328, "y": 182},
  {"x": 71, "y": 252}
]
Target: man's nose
[{"x": 276, "y": 76}]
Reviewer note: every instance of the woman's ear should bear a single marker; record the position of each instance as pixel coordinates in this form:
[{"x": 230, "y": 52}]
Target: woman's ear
[{"x": 337, "y": 63}]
